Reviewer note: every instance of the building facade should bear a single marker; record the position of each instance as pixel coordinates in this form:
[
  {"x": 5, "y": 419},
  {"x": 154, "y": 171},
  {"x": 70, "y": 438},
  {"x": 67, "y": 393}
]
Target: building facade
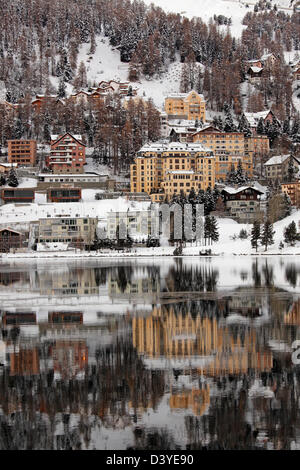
[
  {"x": 160, "y": 168},
  {"x": 64, "y": 194},
  {"x": 277, "y": 168},
  {"x": 228, "y": 148},
  {"x": 67, "y": 154},
  {"x": 189, "y": 106},
  {"x": 136, "y": 223},
  {"x": 10, "y": 240},
  {"x": 293, "y": 191},
  {"x": 254, "y": 118},
  {"x": 22, "y": 152},
  {"x": 243, "y": 203},
  {"x": 17, "y": 195},
  {"x": 80, "y": 232}
]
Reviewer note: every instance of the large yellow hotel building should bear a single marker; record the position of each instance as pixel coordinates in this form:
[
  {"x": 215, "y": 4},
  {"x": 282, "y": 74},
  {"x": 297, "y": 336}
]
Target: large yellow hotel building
[
  {"x": 162, "y": 169},
  {"x": 190, "y": 106}
]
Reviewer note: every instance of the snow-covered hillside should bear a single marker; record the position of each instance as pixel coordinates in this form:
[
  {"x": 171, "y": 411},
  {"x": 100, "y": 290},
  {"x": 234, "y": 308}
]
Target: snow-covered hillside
[
  {"x": 105, "y": 64},
  {"x": 206, "y": 9}
]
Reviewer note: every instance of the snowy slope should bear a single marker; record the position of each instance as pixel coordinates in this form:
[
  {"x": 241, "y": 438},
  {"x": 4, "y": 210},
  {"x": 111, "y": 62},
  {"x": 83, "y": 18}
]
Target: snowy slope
[
  {"x": 105, "y": 64},
  {"x": 206, "y": 9}
]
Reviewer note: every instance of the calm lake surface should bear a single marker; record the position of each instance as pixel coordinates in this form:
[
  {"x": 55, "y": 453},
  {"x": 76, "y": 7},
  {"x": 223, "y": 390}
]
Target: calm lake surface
[{"x": 150, "y": 354}]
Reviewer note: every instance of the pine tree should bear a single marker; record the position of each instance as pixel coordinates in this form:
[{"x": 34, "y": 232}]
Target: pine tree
[
  {"x": 19, "y": 128},
  {"x": 290, "y": 233},
  {"x": 12, "y": 179},
  {"x": 286, "y": 127},
  {"x": 255, "y": 234},
  {"x": 228, "y": 124},
  {"x": 207, "y": 229},
  {"x": 2, "y": 180},
  {"x": 80, "y": 80},
  {"x": 214, "y": 234},
  {"x": 291, "y": 169},
  {"x": 209, "y": 202},
  {"x": 231, "y": 175},
  {"x": 210, "y": 229},
  {"x": 267, "y": 235},
  {"x": 240, "y": 176},
  {"x": 260, "y": 127},
  {"x": 244, "y": 126},
  {"x": 61, "y": 93}
]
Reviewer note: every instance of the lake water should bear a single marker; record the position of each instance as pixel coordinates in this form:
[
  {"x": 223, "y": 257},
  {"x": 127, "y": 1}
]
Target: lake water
[{"x": 150, "y": 354}]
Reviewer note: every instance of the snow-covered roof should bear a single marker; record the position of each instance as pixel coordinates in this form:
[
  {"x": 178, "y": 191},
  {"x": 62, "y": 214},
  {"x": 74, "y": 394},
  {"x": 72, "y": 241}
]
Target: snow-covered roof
[
  {"x": 171, "y": 146},
  {"x": 277, "y": 160},
  {"x": 183, "y": 95},
  {"x": 266, "y": 56},
  {"x": 181, "y": 123},
  {"x": 181, "y": 172},
  {"x": 57, "y": 136},
  {"x": 253, "y": 118},
  {"x": 10, "y": 230},
  {"x": 252, "y": 61},
  {"x": 8, "y": 165},
  {"x": 180, "y": 130},
  {"x": 70, "y": 175},
  {"x": 256, "y": 69},
  {"x": 231, "y": 190}
]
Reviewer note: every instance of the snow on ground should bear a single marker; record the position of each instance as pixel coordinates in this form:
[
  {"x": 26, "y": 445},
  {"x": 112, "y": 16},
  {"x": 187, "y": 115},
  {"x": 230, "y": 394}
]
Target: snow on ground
[
  {"x": 229, "y": 230},
  {"x": 24, "y": 183},
  {"x": 88, "y": 195},
  {"x": 105, "y": 64},
  {"x": 206, "y": 9},
  {"x": 104, "y": 170},
  {"x": 12, "y": 213}
]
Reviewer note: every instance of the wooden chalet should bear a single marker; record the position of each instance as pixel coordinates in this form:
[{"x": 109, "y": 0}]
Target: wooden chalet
[
  {"x": 10, "y": 239},
  {"x": 247, "y": 193}
]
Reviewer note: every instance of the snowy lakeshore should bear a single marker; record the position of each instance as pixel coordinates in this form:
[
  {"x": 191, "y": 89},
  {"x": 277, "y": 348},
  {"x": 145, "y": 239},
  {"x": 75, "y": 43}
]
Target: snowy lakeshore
[{"x": 229, "y": 244}]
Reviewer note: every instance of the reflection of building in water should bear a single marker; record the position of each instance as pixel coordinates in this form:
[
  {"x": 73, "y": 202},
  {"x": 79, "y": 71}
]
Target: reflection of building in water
[
  {"x": 171, "y": 335},
  {"x": 65, "y": 317},
  {"x": 246, "y": 305},
  {"x": 292, "y": 317},
  {"x": 75, "y": 282},
  {"x": 195, "y": 400},
  {"x": 8, "y": 278},
  {"x": 25, "y": 362},
  {"x": 18, "y": 318},
  {"x": 69, "y": 357},
  {"x": 119, "y": 285}
]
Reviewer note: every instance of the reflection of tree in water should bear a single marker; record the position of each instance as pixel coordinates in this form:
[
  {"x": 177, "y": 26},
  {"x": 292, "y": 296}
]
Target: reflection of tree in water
[
  {"x": 101, "y": 276},
  {"x": 124, "y": 275},
  {"x": 121, "y": 377},
  {"x": 256, "y": 275},
  {"x": 33, "y": 406},
  {"x": 195, "y": 308},
  {"x": 291, "y": 274},
  {"x": 227, "y": 424},
  {"x": 194, "y": 279},
  {"x": 268, "y": 274},
  {"x": 153, "y": 439}
]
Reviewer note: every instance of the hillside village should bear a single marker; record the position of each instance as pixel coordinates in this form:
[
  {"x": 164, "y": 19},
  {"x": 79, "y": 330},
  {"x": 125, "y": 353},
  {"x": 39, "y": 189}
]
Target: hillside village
[{"x": 81, "y": 162}]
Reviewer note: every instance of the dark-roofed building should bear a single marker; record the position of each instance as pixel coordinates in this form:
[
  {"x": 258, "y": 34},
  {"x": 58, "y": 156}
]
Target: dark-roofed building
[
  {"x": 243, "y": 203},
  {"x": 10, "y": 240}
]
